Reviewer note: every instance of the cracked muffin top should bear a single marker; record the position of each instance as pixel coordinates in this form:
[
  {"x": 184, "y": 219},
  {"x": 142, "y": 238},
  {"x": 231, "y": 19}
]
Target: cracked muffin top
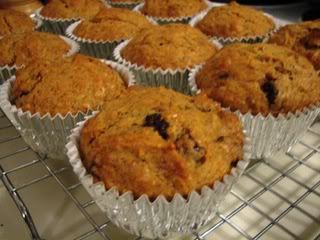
[
  {"x": 74, "y": 84},
  {"x": 303, "y": 38},
  {"x": 234, "y": 20},
  {"x": 22, "y": 48},
  {"x": 173, "y": 8},
  {"x": 169, "y": 46},
  {"x": 260, "y": 78},
  {"x": 72, "y": 8},
  {"x": 12, "y": 21},
  {"x": 156, "y": 141},
  {"x": 112, "y": 24}
]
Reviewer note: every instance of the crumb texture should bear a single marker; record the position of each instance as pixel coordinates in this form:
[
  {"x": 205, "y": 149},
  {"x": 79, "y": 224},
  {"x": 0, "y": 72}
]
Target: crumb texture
[
  {"x": 70, "y": 85},
  {"x": 234, "y": 20},
  {"x": 260, "y": 78},
  {"x": 12, "y": 21},
  {"x": 173, "y": 8},
  {"x": 303, "y": 38},
  {"x": 112, "y": 24},
  {"x": 23, "y": 48},
  {"x": 72, "y": 8},
  {"x": 169, "y": 46},
  {"x": 156, "y": 141}
]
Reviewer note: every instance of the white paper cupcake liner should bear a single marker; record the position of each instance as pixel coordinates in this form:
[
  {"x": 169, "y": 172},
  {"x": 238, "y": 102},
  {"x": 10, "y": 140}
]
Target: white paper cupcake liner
[
  {"x": 176, "y": 79},
  {"x": 7, "y": 72},
  {"x": 270, "y": 134},
  {"x": 54, "y": 25},
  {"x": 168, "y": 20},
  {"x": 124, "y": 4},
  {"x": 249, "y": 39},
  {"x": 159, "y": 218},
  {"x": 47, "y": 134}
]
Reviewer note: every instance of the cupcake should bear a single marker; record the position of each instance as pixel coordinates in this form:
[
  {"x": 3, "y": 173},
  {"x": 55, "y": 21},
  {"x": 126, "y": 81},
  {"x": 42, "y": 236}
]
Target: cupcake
[
  {"x": 172, "y": 11},
  {"x": 163, "y": 55},
  {"x": 273, "y": 89},
  {"x": 175, "y": 151},
  {"x": 130, "y": 4},
  {"x": 20, "y": 49},
  {"x": 234, "y": 23},
  {"x": 77, "y": 86},
  {"x": 99, "y": 35},
  {"x": 12, "y": 21},
  {"x": 57, "y": 15},
  {"x": 303, "y": 38}
]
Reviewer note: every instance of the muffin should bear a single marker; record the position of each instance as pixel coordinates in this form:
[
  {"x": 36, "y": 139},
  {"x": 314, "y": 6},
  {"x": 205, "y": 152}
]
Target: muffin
[
  {"x": 77, "y": 86},
  {"x": 234, "y": 22},
  {"x": 162, "y": 141},
  {"x": 12, "y": 21},
  {"x": 303, "y": 38},
  {"x": 269, "y": 86},
  {"x": 99, "y": 35},
  {"x": 130, "y": 4},
  {"x": 168, "y": 146},
  {"x": 173, "y": 10},
  {"x": 163, "y": 55},
  {"x": 57, "y": 15},
  {"x": 22, "y": 48}
]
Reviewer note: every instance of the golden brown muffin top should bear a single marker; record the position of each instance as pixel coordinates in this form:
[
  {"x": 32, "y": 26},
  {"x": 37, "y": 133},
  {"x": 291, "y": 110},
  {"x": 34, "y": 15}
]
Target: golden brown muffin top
[
  {"x": 12, "y": 21},
  {"x": 156, "y": 141},
  {"x": 234, "y": 20},
  {"x": 74, "y": 84},
  {"x": 22, "y": 48},
  {"x": 72, "y": 8},
  {"x": 303, "y": 38},
  {"x": 173, "y": 8},
  {"x": 169, "y": 46},
  {"x": 112, "y": 24},
  {"x": 260, "y": 78}
]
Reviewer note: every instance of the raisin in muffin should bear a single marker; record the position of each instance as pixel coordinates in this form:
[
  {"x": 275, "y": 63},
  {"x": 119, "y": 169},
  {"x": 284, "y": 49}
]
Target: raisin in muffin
[
  {"x": 64, "y": 9},
  {"x": 12, "y": 21},
  {"x": 303, "y": 38},
  {"x": 72, "y": 84},
  {"x": 173, "y": 8},
  {"x": 235, "y": 21},
  {"x": 112, "y": 24},
  {"x": 163, "y": 142},
  {"x": 169, "y": 46},
  {"x": 260, "y": 78},
  {"x": 22, "y": 48}
]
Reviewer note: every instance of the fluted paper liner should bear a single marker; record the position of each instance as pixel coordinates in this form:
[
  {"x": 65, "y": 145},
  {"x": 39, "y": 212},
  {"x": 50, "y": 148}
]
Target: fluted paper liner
[
  {"x": 269, "y": 134},
  {"x": 249, "y": 39},
  {"x": 95, "y": 48},
  {"x": 7, "y": 71},
  {"x": 55, "y": 25},
  {"x": 159, "y": 218},
  {"x": 176, "y": 79},
  {"x": 124, "y": 4},
  {"x": 47, "y": 134},
  {"x": 168, "y": 20}
]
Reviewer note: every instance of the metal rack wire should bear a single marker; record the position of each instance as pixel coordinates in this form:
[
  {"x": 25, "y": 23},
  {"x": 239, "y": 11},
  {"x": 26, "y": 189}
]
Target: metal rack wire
[{"x": 260, "y": 206}]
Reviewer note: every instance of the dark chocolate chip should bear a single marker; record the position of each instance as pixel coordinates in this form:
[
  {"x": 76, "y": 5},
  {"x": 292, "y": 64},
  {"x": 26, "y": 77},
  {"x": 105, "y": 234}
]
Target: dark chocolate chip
[
  {"x": 223, "y": 75},
  {"x": 160, "y": 125},
  {"x": 234, "y": 163},
  {"x": 269, "y": 90},
  {"x": 220, "y": 139},
  {"x": 312, "y": 40}
]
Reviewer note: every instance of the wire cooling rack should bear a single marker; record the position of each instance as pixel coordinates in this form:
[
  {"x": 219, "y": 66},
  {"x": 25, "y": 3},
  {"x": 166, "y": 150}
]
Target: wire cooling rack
[{"x": 275, "y": 199}]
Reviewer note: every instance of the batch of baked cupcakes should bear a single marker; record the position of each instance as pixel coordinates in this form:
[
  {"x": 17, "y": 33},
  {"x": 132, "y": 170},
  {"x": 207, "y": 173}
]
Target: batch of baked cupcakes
[{"x": 158, "y": 105}]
